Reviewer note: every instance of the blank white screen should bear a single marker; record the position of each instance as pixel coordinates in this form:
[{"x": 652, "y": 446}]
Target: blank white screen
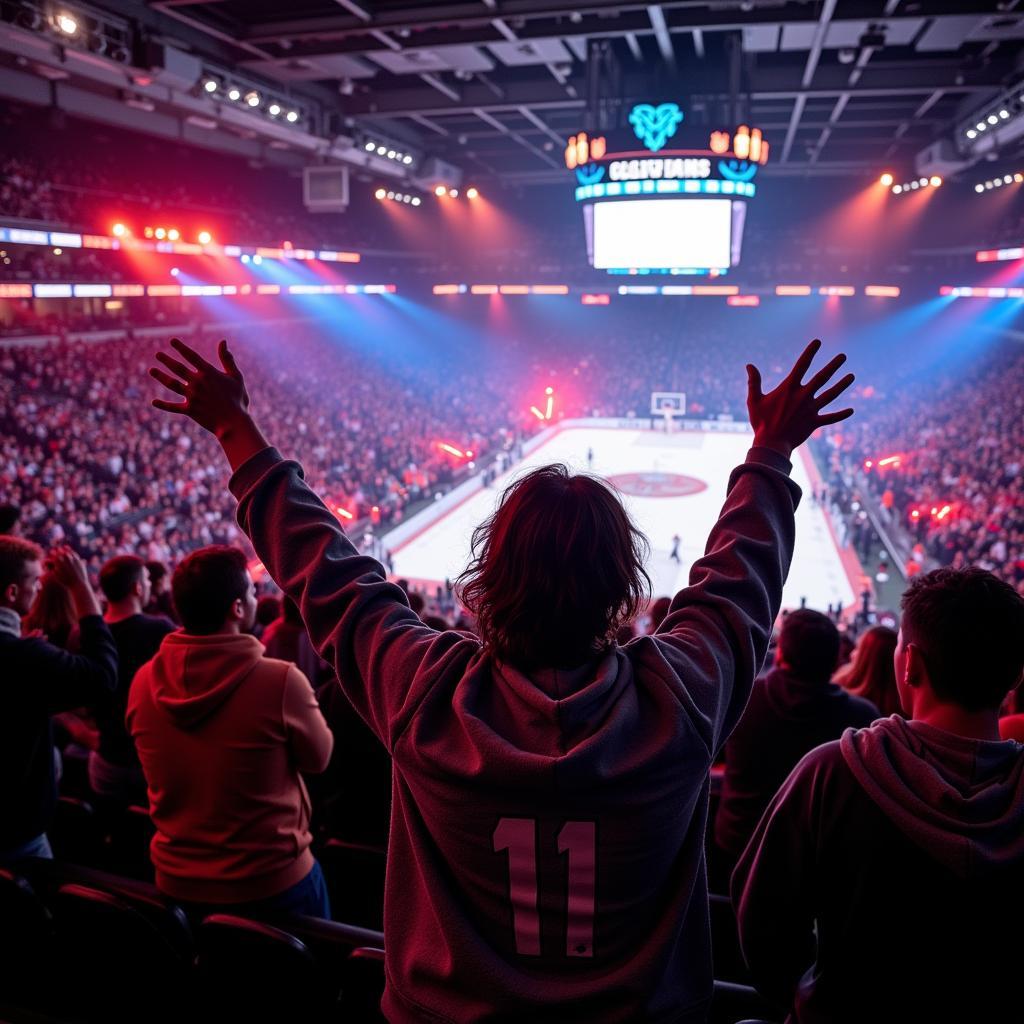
[{"x": 662, "y": 233}]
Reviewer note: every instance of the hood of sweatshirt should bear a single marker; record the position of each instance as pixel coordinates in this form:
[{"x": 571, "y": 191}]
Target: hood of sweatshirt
[
  {"x": 793, "y": 698},
  {"x": 194, "y": 675},
  {"x": 960, "y": 800}
]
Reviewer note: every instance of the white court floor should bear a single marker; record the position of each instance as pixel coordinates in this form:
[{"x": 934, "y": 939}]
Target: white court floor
[{"x": 441, "y": 551}]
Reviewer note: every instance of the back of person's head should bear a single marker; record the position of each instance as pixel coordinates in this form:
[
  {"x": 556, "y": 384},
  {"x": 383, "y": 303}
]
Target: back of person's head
[
  {"x": 555, "y": 569},
  {"x": 157, "y": 574},
  {"x": 206, "y": 584},
  {"x": 417, "y": 602},
  {"x": 968, "y": 626},
  {"x": 119, "y": 576},
  {"x": 15, "y": 555},
  {"x": 9, "y": 516},
  {"x": 658, "y": 611},
  {"x": 269, "y": 608},
  {"x": 53, "y": 611},
  {"x": 870, "y": 673},
  {"x": 435, "y": 622},
  {"x": 809, "y": 645}
]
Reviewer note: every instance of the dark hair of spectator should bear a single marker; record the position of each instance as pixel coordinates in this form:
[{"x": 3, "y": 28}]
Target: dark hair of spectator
[
  {"x": 119, "y": 575},
  {"x": 658, "y": 611},
  {"x": 435, "y": 622},
  {"x": 157, "y": 571},
  {"x": 870, "y": 674},
  {"x": 809, "y": 644},
  {"x": 9, "y": 516},
  {"x": 417, "y": 602},
  {"x": 268, "y": 608},
  {"x": 968, "y": 626},
  {"x": 205, "y": 586},
  {"x": 555, "y": 570},
  {"x": 15, "y": 554},
  {"x": 53, "y": 611}
]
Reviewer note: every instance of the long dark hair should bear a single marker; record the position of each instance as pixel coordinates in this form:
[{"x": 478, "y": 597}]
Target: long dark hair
[
  {"x": 555, "y": 570},
  {"x": 870, "y": 672}
]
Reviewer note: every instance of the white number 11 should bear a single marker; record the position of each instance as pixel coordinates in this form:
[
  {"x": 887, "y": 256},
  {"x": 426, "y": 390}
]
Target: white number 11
[{"x": 577, "y": 840}]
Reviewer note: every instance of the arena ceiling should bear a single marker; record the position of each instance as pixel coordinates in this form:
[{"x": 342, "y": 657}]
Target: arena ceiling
[{"x": 496, "y": 86}]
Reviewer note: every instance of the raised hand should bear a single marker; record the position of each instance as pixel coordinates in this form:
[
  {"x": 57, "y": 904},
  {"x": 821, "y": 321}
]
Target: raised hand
[
  {"x": 70, "y": 571},
  {"x": 786, "y": 417},
  {"x": 215, "y": 398}
]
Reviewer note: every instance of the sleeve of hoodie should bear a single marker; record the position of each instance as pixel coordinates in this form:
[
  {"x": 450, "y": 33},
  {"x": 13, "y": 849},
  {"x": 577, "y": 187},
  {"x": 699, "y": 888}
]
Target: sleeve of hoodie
[
  {"x": 773, "y": 884},
  {"x": 385, "y": 658},
  {"x": 716, "y": 633},
  {"x": 63, "y": 680},
  {"x": 309, "y": 738}
]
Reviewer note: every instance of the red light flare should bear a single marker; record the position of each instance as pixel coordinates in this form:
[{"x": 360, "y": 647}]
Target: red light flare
[
  {"x": 342, "y": 512},
  {"x": 858, "y": 219},
  {"x": 452, "y": 450}
]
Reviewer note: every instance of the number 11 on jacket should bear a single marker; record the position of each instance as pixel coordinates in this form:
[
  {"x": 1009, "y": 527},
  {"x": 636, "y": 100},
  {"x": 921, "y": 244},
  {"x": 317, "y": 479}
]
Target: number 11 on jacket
[{"x": 577, "y": 841}]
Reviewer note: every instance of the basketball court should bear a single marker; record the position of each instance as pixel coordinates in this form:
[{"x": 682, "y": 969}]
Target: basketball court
[{"x": 673, "y": 483}]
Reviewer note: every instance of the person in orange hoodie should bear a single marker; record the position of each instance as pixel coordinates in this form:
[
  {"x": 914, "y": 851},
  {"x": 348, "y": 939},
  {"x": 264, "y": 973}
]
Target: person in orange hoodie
[{"x": 222, "y": 733}]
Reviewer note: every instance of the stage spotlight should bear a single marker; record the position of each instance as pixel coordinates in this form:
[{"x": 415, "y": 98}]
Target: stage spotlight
[
  {"x": 391, "y": 195},
  {"x": 1007, "y": 179},
  {"x": 58, "y": 252},
  {"x": 922, "y": 181},
  {"x": 897, "y": 189},
  {"x": 1004, "y": 113},
  {"x": 370, "y": 147},
  {"x": 971, "y": 133},
  {"x": 160, "y": 233},
  {"x": 440, "y": 190},
  {"x": 992, "y": 119},
  {"x": 981, "y": 126},
  {"x": 257, "y": 259},
  {"x": 234, "y": 94},
  {"x": 1018, "y": 177},
  {"x": 252, "y": 98},
  {"x": 886, "y": 179},
  {"x": 205, "y": 238},
  {"x": 406, "y": 159},
  {"x": 174, "y": 271},
  {"x": 148, "y": 232},
  {"x": 292, "y": 116},
  {"x": 391, "y": 154},
  {"x": 245, "y": 257},
  {"x": 174, "y": 234},
  {"x": 66, "y": 23},
  {"x": 210, "y": 85},
  {"x": 381, "y": 150},
  {"x": 979, "y": 187},
  {"x": 380, "y": 193},
  {"x": 274, "y": 109},
  {"x": 416, "y": 200},
  {"x": 935, "y": 181},
  {"x": 119, "y": 230},
  {"x": 471, "y": 193},
  {"x": 997, "y": 182},
  {"x": 453, "y": 193}
]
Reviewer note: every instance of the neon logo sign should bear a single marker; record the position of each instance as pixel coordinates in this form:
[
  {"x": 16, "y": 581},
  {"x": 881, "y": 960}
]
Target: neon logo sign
[{"x": 654, "y": 126}]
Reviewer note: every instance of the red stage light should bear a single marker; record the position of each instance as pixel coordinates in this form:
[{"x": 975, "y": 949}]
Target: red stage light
[
  {"x": 205, "y": 238},
  {"x": 119, "y": 230},
  {"x": 886, "y": 179},
  {"x": 471, "y": 193},
  {"x": 596, "y": 299},
  {"x": 439, "y": 191},
  {"x": 380, "y": 193},
  {"x": 343, "y": 512},
  {"x": 174, "y": 234}
]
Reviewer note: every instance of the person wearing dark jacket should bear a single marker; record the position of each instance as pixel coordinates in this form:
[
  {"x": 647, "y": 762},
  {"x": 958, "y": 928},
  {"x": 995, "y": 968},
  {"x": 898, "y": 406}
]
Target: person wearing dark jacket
[
  {"x": 546, "y": 852},
  {"x": 885, "y": 882},
  {"x": 114, "y": 771},
  {"x": 793, "y": 709},
  {"x": 39, "y": 680}
]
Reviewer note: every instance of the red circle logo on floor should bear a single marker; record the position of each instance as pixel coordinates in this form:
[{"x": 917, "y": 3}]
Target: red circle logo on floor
[{"x": 657, "y": 485}]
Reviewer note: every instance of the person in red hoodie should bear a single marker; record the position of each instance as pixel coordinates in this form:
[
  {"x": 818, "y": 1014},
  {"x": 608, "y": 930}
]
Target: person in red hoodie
[
  {"x": 222, "y": 734},
  {"x": 550, "y": 788}
]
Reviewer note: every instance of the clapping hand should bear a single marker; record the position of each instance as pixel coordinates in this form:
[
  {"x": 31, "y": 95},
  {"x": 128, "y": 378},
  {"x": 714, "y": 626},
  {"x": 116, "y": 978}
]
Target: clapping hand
[{"x": 786, "y": 417}]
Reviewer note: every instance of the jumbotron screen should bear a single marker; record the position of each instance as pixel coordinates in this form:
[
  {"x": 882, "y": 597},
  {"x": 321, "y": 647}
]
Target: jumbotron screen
[{"x": 666, "y": 234}]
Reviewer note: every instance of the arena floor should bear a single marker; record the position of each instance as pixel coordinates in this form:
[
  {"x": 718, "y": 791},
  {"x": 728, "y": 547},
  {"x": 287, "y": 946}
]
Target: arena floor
[{"x": 674, "y": 484}]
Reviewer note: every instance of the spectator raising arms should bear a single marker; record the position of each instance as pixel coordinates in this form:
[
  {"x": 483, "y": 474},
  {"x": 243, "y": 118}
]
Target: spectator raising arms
[{"x": 551, "y": 788}]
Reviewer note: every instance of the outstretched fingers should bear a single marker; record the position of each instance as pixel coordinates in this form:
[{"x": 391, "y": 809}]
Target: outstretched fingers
[
  {"x": 754, "y": 382},
  {"x": 159, "y": 403},
  {"x": 227, "y": 360},
  {"x": 834, "y": 417},
  {"x": 823, "y": 376},
  {"x": 190, "y": 354},
  {"x": 176, "y": 366},
  {"x": 803, "y": 364},
  {"x": 169, "y": 382},
  {"x": 835, "y": 391}
]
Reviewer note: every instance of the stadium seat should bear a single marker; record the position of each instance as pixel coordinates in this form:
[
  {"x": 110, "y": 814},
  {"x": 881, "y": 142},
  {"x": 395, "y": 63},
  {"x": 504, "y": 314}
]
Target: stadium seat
[
  {"x": 251, "y": 969},
  {"x": 735, "y": 1004},
  {"x": 26, "y": 936},
  {"x": 355, "y": 881},
  {"x": 126, "y": 957},
  {"x": 76, "y": 833},
  {"x": 362, "y": 985}
]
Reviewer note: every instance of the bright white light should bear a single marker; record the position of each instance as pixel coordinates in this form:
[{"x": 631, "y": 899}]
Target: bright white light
[
  {"x": 416, "y": 200},
  {"x": 67, "y": 24},
  {"x": 1007, "y": 179},
  {"x": 210, "y": 85},
  {"x": 979, "y": 187},
  {"x": 370, "y": 147},
  {"x": 971, "y": 133},
  {"x": 381, "y": 150},
  {"x": 274, "y": 109},
  {"x": 252, "y": 98},
  {"x": 257, "y": 259},
  {"x": 981, "y": 126},
  {"x": 897, "y": 189},
  {"x": 174, "y": 271},
  {"x": 922, "y": 181},
  {"x": 391, "y": 195},
  {"x": 292, "y": 116},
  {"x": 998, "y": 182},
  {"x": 234, "y": 94},
  {"x": 915, "y": 184},
  {"x": 992, "y": 119},
  {"x": 391, "y": 154},
  {"x": 1004, "y": 113},
  {"x": 406, "y": 159}
]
